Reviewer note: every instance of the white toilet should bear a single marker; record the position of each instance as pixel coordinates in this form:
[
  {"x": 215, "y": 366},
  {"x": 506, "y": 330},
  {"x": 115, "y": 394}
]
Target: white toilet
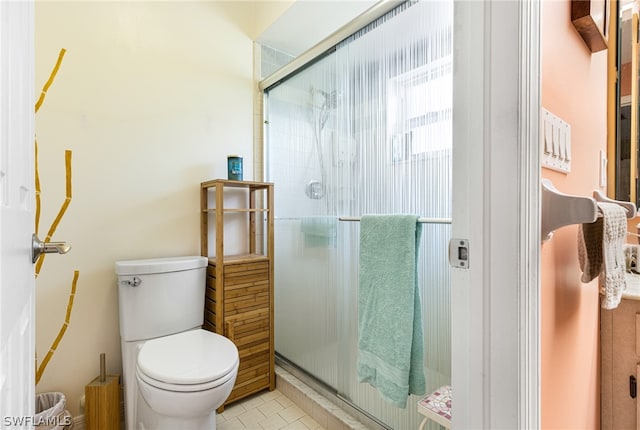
[{"x": 175, "y": 374}]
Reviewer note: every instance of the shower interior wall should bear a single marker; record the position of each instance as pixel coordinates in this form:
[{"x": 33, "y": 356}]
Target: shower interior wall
[{"x": 364, "y": 130}]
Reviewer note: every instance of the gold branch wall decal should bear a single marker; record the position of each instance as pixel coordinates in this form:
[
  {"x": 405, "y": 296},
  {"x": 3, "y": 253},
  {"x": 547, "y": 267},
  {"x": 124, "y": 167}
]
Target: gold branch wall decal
[
  {"x": 63, "y": 208},
  {"x": 37, "y": 191},
  {"x": 63, "y": 329},
  {"x": 43, "y": 94},
  {"x": 52, "y": 76},
  {"x": 54, "y": 224}
]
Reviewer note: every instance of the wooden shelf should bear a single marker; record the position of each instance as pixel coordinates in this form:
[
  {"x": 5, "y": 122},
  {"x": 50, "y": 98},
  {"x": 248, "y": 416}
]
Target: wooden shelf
[
  {"x": 240, "y": 258},
  {"x": 239, "y": 293},
  {"x": 237, "y": 184}
]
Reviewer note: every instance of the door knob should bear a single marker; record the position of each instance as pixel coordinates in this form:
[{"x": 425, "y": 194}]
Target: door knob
[{"x": 40, "y": 247}]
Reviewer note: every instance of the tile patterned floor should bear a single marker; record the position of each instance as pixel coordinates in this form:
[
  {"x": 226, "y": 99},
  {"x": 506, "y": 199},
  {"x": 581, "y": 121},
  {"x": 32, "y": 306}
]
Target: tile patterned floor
[{"x": 269, "y": 410}]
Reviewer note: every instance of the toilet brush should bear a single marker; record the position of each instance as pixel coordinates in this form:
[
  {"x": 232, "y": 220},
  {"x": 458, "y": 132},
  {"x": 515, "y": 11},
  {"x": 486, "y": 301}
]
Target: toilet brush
[{"x": 102, "y": 400}]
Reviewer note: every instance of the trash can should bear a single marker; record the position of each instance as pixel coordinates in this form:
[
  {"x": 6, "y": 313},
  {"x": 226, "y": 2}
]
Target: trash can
[{"x": 51, "y": 413}]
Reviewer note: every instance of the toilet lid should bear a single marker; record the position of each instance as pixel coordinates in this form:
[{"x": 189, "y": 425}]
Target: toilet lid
[{"x": 193, "y": 357}]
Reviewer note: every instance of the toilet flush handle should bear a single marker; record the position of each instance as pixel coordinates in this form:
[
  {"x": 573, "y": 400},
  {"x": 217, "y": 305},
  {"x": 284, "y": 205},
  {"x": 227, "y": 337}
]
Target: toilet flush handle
[{"x": 132, "y": 282}]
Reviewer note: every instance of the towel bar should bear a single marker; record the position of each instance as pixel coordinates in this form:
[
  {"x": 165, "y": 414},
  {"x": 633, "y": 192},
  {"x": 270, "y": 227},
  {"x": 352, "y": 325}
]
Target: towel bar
[
  {"x": 420, "y": 220},
  {"x": 353, "y": 218},
  {"x": 559, "y": 209},
  {"x": 628, "y": 206}
]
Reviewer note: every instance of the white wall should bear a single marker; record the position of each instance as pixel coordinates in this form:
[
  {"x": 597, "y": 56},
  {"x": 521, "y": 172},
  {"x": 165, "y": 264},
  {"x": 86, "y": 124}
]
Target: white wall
[{"x": 150, "y": 97}]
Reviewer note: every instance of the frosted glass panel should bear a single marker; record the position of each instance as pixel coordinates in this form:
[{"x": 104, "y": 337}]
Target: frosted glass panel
[
  {"x": 301, "y": 117},
  {"x": 367, "y": 129}
]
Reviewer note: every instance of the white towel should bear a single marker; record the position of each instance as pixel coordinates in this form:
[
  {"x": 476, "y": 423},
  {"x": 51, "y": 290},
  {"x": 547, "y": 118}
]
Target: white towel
[{"x": 600, "y": 251}]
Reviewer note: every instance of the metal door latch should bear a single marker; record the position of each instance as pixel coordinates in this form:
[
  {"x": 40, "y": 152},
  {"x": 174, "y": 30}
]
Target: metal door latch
[{"x": 459, "y": 253}]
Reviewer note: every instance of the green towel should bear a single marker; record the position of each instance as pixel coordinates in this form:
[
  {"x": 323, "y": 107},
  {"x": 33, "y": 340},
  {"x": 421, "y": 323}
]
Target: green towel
[
  {"x": 320, "y": 231},
  {"x": 390, "y": 341}
]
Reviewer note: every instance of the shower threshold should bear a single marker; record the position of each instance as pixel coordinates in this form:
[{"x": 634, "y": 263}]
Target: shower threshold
[{"x": 320, "y": 400}]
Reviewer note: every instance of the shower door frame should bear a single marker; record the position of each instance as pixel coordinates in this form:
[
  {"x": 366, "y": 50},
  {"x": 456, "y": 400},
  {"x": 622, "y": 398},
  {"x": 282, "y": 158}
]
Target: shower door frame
[{"x": 496, "y": 205}]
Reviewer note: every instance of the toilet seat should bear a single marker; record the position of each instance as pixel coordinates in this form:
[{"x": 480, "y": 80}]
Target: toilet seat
[
  {"x": 184, "y": 388},
  {"x": 196, "y": 360}
]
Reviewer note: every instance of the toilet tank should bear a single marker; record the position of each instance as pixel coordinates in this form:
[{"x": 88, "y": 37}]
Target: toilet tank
[{"x": 160, "y": 296}]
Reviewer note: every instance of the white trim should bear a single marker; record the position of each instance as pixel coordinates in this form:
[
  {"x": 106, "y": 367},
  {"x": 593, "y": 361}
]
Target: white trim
[
  {"x": 467, "y": 330},
  {"x": 495, "y": 353},
  {"x": 529, "y": 261}
]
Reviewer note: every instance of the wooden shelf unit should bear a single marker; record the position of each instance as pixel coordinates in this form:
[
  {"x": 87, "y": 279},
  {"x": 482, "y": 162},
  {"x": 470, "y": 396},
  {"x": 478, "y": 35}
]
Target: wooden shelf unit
[{"x": 239, "y": 293}]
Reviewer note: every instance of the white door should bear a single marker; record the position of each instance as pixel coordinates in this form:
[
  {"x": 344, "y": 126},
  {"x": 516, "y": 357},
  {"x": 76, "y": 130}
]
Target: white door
[
  {"x": 17, "y": 282},
  {"x": 494, "y": 301}
]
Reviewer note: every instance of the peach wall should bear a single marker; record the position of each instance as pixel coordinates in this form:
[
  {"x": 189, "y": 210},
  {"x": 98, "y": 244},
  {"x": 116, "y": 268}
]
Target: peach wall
[{"x": 574, "y": 88}]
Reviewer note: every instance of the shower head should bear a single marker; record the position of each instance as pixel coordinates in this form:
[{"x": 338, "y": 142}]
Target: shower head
[{"x": 329, "y": 99}]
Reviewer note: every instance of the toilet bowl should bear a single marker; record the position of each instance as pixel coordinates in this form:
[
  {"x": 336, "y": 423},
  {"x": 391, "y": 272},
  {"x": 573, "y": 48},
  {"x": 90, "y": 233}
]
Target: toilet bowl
[
  {"x": 182, "y": 379},
  {"x": 187, "y": 375}
]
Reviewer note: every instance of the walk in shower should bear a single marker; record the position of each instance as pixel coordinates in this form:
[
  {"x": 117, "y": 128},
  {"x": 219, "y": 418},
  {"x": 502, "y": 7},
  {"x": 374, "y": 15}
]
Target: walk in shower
[{"x": 366, "y": 129}]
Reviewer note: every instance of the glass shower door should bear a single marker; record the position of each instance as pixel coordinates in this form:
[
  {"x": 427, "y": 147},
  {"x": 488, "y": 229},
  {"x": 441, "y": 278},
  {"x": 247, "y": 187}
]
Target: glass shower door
[
  {"x": 301, "y": 117},
  {"x": 399, "y": 112},
  {"x": 367, "y": 129}
]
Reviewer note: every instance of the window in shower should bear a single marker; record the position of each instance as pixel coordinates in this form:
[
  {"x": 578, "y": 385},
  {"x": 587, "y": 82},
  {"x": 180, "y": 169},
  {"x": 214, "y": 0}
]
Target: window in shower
[
  {"x": 365, "y": 129},
  {"x": 420, "y": 111}
]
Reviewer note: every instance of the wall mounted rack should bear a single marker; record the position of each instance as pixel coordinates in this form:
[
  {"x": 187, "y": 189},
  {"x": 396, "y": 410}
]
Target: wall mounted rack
[{"x": 559, "y": 209}]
